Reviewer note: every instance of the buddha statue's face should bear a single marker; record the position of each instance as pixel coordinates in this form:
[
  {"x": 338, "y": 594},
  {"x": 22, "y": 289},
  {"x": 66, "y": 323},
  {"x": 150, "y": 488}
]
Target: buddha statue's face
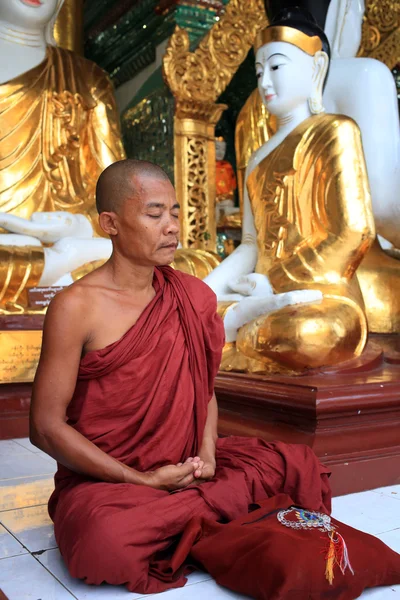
[
  {"x": 286, "y": 75},
  {"x": 33, "y": 14}
]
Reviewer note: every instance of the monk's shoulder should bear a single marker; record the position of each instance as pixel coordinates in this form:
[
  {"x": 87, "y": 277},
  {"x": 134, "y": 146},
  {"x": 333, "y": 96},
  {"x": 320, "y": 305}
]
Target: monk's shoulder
[{"x": 70, "y": 302}]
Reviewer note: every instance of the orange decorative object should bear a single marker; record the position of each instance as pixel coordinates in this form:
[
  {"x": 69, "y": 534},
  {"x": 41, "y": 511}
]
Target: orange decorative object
[{"x": 226, "y": 181}]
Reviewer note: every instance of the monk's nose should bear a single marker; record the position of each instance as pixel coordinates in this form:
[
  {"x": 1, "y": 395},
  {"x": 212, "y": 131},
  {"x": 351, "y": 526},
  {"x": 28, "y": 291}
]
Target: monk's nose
[{"x": 173, "y": 226}]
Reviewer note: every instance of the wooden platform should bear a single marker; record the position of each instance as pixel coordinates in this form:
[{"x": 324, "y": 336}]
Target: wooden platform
[{"x": 350, "y": 417}]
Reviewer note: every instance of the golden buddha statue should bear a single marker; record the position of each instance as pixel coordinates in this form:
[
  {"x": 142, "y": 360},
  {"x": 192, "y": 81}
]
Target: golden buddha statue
[
  {"x": 254, "y": 126},
  {"x": 355, "y": 88},
  {"x": 59, "y": 128},
  {"x": 307, "y": 221}
]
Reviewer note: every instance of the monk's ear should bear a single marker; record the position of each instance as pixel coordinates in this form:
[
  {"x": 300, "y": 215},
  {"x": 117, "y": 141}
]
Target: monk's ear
[{"x": 108, "y": 223}]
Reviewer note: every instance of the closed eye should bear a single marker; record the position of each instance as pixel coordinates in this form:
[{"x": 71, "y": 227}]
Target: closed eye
[{"x": 275, "y": 67}]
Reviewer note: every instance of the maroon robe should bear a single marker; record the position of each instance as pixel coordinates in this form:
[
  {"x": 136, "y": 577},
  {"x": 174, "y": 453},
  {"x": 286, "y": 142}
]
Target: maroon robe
[{"x": 143, "y": 400}]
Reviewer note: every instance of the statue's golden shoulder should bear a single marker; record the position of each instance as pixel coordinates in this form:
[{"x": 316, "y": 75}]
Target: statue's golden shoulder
[
  {"x": 335, "y": 124},
  {"x": 77, "y": 74},
  {"x": 67, "y": 57},
  {"x": 319, "y": 132}
]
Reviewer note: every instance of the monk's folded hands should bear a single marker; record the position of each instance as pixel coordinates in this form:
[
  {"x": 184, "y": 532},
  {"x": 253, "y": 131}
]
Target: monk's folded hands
[
  {"x": 206, "y": 465},
  {"x": 172, "y": 477}
]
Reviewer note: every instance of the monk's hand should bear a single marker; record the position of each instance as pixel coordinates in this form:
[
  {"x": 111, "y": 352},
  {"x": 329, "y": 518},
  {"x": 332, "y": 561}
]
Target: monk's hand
[
  {"x": 172, "y": 477},
  {"x": 205, "y": 469}
]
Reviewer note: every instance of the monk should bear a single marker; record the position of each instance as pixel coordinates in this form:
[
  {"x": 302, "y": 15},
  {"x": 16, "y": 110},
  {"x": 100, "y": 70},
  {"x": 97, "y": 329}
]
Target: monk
[{"x": 123, "y": 399}]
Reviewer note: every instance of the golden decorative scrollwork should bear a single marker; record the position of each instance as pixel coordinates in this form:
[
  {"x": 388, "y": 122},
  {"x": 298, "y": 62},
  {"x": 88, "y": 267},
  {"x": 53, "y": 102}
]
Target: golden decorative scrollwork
[
  {"x": 196, "y": 79},
  {"x": 203, "y": 75},
  {"x": 195, "y": 172},
  {"x": 381, "y": 32}
]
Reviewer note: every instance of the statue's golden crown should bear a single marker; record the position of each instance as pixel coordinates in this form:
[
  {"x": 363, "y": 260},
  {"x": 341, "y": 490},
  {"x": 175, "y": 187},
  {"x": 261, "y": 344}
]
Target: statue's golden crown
[{"x": 279, "y": 33}]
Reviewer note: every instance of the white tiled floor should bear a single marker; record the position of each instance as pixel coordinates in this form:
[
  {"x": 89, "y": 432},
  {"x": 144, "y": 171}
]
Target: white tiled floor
[{"x": 31, "y": 567}]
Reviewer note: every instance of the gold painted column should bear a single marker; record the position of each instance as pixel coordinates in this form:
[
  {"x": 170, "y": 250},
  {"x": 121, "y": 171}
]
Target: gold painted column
[
  {"x": 197, "y": 79},
  {"x": 194, "y": 147}
]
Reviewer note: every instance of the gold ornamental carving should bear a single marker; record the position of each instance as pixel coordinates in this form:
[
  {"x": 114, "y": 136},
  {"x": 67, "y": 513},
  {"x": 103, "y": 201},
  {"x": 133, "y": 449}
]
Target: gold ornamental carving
[
  {"x": 203, "y": 75},
  {"x": 196, "y": 79},
  {"x": 381, "y": 32},
  {"x": 195, "y": 171}
]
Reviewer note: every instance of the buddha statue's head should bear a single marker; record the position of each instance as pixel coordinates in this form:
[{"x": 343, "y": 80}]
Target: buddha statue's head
[
  {"x": 292, "y": 62},
  {"x": 32, "y": 15},
  {"x": 340, "y": 19}
]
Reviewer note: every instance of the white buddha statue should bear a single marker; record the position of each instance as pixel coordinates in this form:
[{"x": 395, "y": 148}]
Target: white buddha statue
[
  {"x": 288, "y": 294},
  {"x": 364, "y": 89}
]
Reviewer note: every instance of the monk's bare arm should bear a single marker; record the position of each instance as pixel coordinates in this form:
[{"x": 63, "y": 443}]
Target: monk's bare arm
[
  {"x": 207, "y": 450},
  {"x": 65, "y": 333}
]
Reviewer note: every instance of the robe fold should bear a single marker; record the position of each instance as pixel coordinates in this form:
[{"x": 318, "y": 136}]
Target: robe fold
[{"x": 143, "y": 400}]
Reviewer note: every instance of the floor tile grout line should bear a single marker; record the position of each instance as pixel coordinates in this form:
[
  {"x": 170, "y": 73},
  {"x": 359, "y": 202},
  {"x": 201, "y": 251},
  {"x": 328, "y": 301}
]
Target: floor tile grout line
[
  {"x": 22, "y": 477},
  {"x": 25, "y": 448},
  {"x": 387, "y": 531},
  {"x": 32, "y": 477},
  {"x": 14, "y": 555},
  {"x": 23, "y": 545},
  {"x": 11, "y": 533},
  {"x": 14, "y": 536},
  {"x": 16, "y": 440},
  {"x": 54, "y": 577},
  {"x": 23, "y": 507}
]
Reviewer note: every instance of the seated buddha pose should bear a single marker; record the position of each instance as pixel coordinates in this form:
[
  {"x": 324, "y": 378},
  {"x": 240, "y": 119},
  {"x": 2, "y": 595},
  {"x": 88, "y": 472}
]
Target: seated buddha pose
[
  {"x": 124, "y": 401},
  {"x": 363, "y": 89},
  {"x": 307, "y": 221}
]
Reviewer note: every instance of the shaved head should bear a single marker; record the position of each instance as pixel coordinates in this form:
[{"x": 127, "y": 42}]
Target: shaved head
[{"x": 125, "y": 180}]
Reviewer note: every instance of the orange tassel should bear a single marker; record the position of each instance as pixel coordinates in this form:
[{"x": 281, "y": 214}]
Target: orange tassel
[{"x": 330, "y": 559}]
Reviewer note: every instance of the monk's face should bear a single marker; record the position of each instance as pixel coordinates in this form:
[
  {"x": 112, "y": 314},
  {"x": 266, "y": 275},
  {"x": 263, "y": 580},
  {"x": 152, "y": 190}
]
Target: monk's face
[{"x": 148, "y": 224}]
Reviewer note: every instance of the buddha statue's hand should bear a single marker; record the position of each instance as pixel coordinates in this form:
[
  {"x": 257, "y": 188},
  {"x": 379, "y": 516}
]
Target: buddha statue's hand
[
  {"x": 69, "y": 254},
  {"x": 254, "y": 284},
  {"x": 48, "y": 227},
  {"x": 252, "y": 307}
]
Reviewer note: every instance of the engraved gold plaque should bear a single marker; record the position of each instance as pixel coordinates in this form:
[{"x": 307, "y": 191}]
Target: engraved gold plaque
[{"x": 19, "y": 355}]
